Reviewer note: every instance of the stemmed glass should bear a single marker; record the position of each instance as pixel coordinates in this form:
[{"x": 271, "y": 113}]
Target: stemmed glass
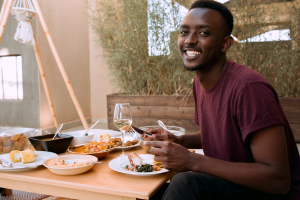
[{"x": 122, "y": 118}]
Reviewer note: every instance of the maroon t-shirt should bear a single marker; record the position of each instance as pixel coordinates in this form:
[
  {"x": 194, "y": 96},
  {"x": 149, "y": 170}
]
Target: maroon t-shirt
[{"x": 240, "y": 103}]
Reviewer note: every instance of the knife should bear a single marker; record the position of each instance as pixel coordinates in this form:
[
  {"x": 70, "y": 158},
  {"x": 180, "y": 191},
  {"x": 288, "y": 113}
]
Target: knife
[{"x": 141, "y": 131}]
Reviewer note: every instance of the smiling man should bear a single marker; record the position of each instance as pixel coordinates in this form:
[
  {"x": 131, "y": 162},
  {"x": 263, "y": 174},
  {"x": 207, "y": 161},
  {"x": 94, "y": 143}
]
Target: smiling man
[{"x": 250, "y": 151}]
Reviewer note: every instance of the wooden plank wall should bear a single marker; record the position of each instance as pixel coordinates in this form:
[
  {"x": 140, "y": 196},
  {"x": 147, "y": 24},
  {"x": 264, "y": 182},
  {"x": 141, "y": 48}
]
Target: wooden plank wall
[
  {"x": 146, "y": 110},
  {"x": 291, "y": 108},
  {"x": 179, "y": 111}
]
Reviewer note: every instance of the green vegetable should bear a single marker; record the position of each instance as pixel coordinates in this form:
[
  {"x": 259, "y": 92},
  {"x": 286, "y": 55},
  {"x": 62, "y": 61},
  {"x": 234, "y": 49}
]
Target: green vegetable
[{"x": 144, "y": 168}]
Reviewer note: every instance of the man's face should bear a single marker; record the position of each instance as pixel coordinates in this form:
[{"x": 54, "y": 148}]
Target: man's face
[{"x": 200, "y": 38}]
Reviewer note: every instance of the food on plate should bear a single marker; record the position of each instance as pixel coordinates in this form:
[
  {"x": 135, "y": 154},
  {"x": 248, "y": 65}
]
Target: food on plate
[
  {"x": 118, "y": 142},
  {"x": 59, "y": 163},
  {"x": 97, "y": 147},
  {"x": 135, "y": 159},
  {"x": 155, "y": 162},
  {"x": 131, "y": 143},
  {"x": 10, "y": 142},
  {"x": 105, "y": 138},
  {"x": 26, "y": 156},
  {"x": 137, "y": 165}
]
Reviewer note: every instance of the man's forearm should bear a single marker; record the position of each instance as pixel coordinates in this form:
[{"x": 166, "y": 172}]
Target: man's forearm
[
  {"x": 257, "y": 176},
  {"x": 191, "y": 141}
]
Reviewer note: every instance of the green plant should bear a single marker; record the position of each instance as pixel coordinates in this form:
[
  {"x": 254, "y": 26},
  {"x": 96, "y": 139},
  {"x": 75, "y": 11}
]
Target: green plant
[
  {"x": 277, "y": 61},
  {"x": 122, "y": 31}
]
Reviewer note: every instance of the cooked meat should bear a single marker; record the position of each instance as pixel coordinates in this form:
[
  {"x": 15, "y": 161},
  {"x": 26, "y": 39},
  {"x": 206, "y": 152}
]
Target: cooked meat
[
  {"x": 135, "y": 159},
  {"x": 134, "y": 142},
  {"x": 128, "y": 143}
]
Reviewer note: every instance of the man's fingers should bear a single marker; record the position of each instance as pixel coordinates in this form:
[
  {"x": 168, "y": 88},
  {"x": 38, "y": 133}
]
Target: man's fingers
[
  {"x": 161, "y": 137},
  {"x": 157, "y": 144},
  {"x": 155, "y": 131},
  {"x": 156, "y": 152}
]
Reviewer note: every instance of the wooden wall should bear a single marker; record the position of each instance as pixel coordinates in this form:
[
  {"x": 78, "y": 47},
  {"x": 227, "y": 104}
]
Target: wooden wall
[
  {"x": 291, "y": 108},
  {"x": 179, "y": 111}
]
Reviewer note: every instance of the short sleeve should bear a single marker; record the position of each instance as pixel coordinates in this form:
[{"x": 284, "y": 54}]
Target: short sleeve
[
  {"x": 258, "y": 107},
  {"x": 196, "y": 106}
]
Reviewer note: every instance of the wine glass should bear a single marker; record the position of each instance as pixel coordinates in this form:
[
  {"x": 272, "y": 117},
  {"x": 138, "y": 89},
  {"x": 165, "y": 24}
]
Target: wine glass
[{"x": 122, "y": 118}]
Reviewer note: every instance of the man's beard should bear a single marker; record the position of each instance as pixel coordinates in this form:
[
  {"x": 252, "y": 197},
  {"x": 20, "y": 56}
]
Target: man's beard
[{"x": 193, "y": 68}]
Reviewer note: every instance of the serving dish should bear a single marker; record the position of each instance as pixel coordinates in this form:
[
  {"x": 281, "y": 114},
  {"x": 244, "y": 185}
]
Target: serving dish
[
  {"x": 58, "y": 145},
  {"x": 72, "y": 170},
  {"x": 78, "y": 139},
  {"x": 79, "y": 149}
]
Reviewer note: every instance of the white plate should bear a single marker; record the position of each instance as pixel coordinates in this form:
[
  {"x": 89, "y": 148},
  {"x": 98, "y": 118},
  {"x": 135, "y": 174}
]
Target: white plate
[
  {"x": 43, "y": 155},
  {"x": 72, "y": 170},
  {"x": 118, "y": 165},
  {"x": 126, "y": 138},
  {"x": 99, "y": 132}
]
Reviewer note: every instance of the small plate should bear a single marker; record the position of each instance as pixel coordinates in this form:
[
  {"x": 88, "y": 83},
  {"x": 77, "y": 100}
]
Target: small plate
[
  {"x": 43, "y": 155},
  {"x": 118, "y": 165},
  {"x": 78, "y": 149},
  {"x": 72, "y": 170},
  {"x": 126, "y": 138}
]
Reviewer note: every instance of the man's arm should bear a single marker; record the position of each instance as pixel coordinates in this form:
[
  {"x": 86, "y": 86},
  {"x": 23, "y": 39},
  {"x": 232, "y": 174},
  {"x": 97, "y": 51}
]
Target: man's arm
[{"x": 270, "y": 172}]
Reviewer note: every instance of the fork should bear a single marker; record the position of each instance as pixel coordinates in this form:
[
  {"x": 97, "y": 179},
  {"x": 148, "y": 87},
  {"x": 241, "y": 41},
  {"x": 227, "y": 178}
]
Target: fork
[{"x": 130, "y": 131}]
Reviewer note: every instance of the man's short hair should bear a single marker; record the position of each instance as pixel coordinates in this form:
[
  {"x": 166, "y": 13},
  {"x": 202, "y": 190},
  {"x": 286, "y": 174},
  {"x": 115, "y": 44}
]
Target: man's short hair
[{"x": 222, "y": 9}]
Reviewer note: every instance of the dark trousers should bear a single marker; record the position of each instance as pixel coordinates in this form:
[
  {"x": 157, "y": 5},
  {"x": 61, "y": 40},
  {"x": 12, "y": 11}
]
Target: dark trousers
[{"x": 193, "y": 185}]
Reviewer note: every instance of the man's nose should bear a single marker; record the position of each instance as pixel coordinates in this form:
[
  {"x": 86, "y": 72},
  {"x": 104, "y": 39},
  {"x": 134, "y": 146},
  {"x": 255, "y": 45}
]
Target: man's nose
[{"x": 192, "y": 39}]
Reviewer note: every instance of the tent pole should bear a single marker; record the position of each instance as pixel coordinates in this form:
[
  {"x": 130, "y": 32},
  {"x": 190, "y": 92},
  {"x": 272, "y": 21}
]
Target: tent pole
[
  {"x": 3, "y": 9},
  {"x": 43, "y": 77},
  {"x": 4, "y": 18},
  {"x": 60, "y": 65}
]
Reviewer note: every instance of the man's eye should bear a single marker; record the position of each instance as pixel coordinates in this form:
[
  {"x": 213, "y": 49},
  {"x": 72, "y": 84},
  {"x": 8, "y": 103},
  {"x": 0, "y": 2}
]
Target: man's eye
[
  {"x": 183, "y": 32},
  {"x": 204, "y": 33}
]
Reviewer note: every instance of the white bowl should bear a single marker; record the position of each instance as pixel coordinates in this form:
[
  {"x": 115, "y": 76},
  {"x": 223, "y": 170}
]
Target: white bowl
[
  {"x": 72, "y": 170},
  {"x": 78, "y": 139}
]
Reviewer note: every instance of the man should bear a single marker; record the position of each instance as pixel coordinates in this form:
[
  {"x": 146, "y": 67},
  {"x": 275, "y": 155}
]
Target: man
[{"x": 250, "y": 151}]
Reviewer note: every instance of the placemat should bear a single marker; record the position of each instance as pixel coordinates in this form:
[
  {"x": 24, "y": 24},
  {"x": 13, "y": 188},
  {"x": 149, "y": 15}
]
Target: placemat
[{"x": 20, "y": 195}]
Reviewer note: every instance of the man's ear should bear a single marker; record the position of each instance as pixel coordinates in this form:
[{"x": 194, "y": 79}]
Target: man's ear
[{"x": 227, "y": 43}]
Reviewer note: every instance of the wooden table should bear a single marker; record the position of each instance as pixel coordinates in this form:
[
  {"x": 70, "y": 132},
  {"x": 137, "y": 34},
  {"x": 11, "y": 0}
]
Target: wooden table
[{"x": 100, "y": 182}]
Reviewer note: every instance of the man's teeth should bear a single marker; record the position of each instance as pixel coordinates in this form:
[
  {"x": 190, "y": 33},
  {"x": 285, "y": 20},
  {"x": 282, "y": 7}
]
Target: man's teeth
[{"x": 192, "y": 53}]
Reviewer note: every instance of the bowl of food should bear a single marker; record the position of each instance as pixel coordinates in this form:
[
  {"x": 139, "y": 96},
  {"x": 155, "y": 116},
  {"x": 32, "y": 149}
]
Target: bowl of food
[
  {"x": 70, "y": 164},
  {"x": 45, "y": 143},
  {"x": 98, "y": 149},
  {"x": 79, "y": 138}
]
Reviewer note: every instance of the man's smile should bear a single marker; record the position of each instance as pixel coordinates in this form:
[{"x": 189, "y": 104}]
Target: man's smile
[{"x": 191, "y": 54}]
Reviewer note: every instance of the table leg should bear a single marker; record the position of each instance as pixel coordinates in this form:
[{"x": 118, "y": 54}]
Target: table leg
[{"x": 5, "y": 192}]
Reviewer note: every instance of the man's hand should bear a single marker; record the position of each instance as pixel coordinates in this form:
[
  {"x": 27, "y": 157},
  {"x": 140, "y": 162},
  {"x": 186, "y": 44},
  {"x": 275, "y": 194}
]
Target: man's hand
[
  {"x": 163, "y": 135},
  {"x": 173, "y": 156}
]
